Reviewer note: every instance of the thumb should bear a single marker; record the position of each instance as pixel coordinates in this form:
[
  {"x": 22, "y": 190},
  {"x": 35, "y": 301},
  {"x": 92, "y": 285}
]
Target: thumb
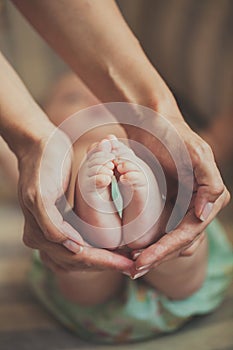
[{"x": 210, "y": 185}]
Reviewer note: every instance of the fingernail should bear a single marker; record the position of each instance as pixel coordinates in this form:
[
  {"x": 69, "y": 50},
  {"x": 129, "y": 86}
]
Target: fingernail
[
  {"x": 143, "y": 267},
  {"x": 126, "y": 273},
  {"x": 136, "y": 254},
  {"x": 140, "y": 274},
  {"x": 71, "y": 234},
  {"x": 206, "y": 211},
  {"x": 72, "y": 246}
]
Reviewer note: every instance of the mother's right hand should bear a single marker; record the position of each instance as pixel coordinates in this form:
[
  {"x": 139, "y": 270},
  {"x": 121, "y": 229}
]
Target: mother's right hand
[
  {"x": 61, "y": 246},
  {"x": 59, "y": 259}
]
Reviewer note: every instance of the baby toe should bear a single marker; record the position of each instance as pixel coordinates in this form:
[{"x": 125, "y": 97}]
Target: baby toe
[
  {"x": 101, "y": 159},
  {"x": 100, "y": 170},
  {"x": 125, "y": 166},
  {"x": 134, "y": 178},
  {"x": 123, "y": 151},
  {"x": 105, "y": 145},
  {"x": 102, "y": 180}
]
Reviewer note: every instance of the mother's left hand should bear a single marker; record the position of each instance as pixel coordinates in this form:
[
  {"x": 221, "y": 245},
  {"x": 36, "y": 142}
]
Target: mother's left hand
[{"x": 182, "y": 241}]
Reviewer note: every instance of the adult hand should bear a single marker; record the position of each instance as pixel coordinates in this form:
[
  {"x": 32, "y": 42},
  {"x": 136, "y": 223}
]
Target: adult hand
[
  {"x": 40, "y": 187},
  {"x": 45, "y": 228},
  {"x": 209, "y": 193},
  {"x": 115, "y": 75},
  {"x": 59, "y": 259},
  {"x": 183, "y": 241}
]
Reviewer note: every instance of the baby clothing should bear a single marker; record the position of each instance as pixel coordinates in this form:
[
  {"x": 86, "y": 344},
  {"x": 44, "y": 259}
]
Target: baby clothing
[{"x": 139, "y": 312}]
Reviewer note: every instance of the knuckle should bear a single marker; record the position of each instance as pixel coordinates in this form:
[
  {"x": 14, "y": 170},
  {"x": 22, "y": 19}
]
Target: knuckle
[
  {"x": 187, "y": 253},
  {"x": 29, "y": 241},
  {"x": 191, "y": 248},
  {"x": 53, "y": 236},
  {"x": 29, "y": 197},
  {"x": 201, "y": 150},
  {"x": 227, "y": 197},
  {"x": 217, "y": 189},
  {"x": 185, "y": 238},
  {"x": 189, "y": 241}
]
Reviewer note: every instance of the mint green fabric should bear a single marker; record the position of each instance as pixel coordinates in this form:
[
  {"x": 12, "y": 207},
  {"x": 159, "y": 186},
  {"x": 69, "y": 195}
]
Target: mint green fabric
[{"x": 140, "y": 312}]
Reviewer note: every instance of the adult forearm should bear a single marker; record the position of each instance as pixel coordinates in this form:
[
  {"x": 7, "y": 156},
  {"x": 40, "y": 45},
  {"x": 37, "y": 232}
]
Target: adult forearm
[
  {"x": 22, "y": 122},
  {"x": 95, "y": 41}
]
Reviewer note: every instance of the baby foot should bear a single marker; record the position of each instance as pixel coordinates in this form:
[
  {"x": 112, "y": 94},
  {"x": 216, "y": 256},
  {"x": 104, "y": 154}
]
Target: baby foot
[
  {"x": 141, "y": 197},
  {"x": 93, "y": 202}
]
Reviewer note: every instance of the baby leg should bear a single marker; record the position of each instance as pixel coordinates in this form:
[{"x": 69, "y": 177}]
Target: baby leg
[
  {"x": 182, "y": 276},
  {"x": 90, "y": 287},
  {"x": 94, "y": 287}
]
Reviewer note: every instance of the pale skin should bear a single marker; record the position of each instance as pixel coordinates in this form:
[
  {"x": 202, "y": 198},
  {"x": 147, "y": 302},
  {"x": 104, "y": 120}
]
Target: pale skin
[
  {"x": 138, "y": 188},
  {"x": 177, "y": 278},
  {"x": 119, "y": 72},
  {"x": 93, "y": 287}
]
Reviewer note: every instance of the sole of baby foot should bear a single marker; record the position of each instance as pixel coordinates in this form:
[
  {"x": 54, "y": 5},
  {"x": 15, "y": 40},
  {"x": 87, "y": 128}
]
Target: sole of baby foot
[{"x": 101, "y": 223}]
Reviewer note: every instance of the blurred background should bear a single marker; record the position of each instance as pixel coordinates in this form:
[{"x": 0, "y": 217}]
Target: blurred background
[{"x": 188, "y": 41}]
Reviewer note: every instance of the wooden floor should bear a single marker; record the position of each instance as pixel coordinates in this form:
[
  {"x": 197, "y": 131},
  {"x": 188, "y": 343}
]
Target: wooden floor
[{"x": 25, "y": 325}]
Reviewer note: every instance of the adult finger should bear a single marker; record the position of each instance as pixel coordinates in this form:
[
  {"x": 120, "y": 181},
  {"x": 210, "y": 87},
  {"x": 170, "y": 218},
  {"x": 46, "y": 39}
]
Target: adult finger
[
  {"x": 33, "y": 236},
  {"x": 192, "y": 248},
  {"x": 45, "y": 258},
  {"x": 93, "y": 258},
  {"x": 207, "y": 176},
  {"x": 180, "y": 238},
  {"x": 87, "y": 258},
  {"x": 45, "y": 214}
]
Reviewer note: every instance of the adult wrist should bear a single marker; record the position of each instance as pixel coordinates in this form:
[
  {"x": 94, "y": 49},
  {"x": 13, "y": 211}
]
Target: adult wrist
[{"x": 21, "y": 138}]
